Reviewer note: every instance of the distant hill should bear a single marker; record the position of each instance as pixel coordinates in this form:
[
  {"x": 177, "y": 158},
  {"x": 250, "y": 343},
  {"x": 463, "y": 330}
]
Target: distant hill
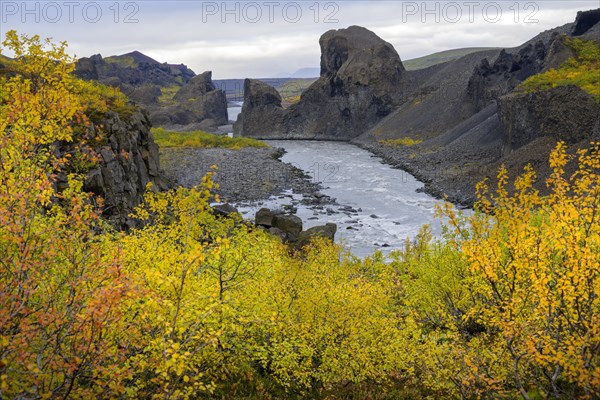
[
  {"x": 441, "y": 57},
  {"x": 133, "y": 59},
  {"x": 411, "y": 65},
  {"x": 307, "y": 73}
]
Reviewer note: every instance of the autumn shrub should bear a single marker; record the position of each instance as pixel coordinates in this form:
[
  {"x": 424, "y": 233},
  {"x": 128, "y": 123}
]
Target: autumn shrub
[
  {"x": 195, "y": 305},
  {"x": 230, "y": 311},
  {"x": 61, "y": 283},
  {"x": 583, "y": 70},
  {"x": 508, "y": 304},
  {"x": 201, "y": 139}
]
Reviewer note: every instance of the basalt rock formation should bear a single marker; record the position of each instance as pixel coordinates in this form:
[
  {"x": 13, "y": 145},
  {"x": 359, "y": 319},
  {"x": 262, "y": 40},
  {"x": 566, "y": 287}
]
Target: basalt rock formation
[
  {"x": 262, "y": 113},
  {"x": 361, "y": 77},
  {"x": 132, "y": 70},
  {"x": 564, "y": 113},
  {"x": 174, "y": 95},
  {"x": 197, "y": 102},
  {"x": 465, "y": 118},
  {"x": 586, "y": 24},
  {"x": 451, "y": 124},
  {"x": 127, "y": 163},
  {"x": 490, "y": 81}
]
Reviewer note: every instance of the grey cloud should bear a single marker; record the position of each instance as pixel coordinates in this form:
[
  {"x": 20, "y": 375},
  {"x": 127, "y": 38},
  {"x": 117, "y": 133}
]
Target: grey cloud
[{"x": 176, "y": 32}]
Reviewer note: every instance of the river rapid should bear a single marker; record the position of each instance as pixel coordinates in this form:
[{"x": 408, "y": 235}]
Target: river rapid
[{"x": 378, "y": 206}]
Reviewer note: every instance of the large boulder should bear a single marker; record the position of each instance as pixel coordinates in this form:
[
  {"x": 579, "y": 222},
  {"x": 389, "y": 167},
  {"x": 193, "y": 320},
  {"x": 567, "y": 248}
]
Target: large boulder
[
  {"x": 290, "y": 224},
  {"x": 264, "y": 217},
  {"x": 360, "y": 83},
  {"x": 326, "y": 231},
  {"x": 565, "y": 113},
  {"x": 262, "y": 114},
  {"x": 225, "y": 210}
]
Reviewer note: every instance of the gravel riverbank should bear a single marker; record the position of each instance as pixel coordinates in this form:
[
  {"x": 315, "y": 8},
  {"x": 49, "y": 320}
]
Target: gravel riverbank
[{"x": 248, "y": 174}]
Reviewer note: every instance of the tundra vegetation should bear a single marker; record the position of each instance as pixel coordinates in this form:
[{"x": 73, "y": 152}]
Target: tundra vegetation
[
  {"x": 582, "y": 70},
  {"x": 192, "y": 305},
  {"x": 201, "y": 139}
]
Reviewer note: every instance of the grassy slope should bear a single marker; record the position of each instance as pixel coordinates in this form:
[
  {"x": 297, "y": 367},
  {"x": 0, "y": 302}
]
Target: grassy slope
[
  {"x": 441, "y": 57},
  {"x": 200, "y": 139},
  {"x": 291, "y": 90},
  {"x": 583, "y": 71}
]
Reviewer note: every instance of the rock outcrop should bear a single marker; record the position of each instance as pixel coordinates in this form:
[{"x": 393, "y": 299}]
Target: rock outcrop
[
  {"x": 128, "y": 162},
  {"x": 464, "y": 118},
  {"x": 134, "y": 69},
  {"x": 564, "y": 113},
  {"x": 360, "y": 83},
  {"x": 173, "y": 95},
  {"x": 262, "y": 113},
  {"x": 490, "y": 81},
  {"x": 198, "y": 101},
  {"x": 288, "y": 223},
  {"x": 585, "y": 21}
]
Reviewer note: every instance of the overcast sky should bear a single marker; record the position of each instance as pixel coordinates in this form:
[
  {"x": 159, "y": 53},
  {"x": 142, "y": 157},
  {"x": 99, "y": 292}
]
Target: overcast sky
[{"x": 266, "y": 38}]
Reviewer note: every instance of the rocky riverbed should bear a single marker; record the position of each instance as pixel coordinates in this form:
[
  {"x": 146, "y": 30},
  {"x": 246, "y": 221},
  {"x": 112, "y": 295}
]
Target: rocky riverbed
[
  {"x": 373, "y": 205},
  {"x": 245, "y": 175}
]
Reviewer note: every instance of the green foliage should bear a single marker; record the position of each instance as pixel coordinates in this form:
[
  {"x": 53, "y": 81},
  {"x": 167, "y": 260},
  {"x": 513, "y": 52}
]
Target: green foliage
[
  {"x": 193, "y": 305},
  {"x": 123, "y": 61},
  {"x": 405, "y": 142},
  {"x": 583, "y": 71},
  {"x": 202, "y": 139},
  {"x": 167, "y": 94}
]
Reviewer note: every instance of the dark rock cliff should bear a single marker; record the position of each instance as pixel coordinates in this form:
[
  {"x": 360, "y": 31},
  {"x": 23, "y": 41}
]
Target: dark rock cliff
[
  {"x": 134, "y": 69},
  {"x": 490, "y": 81},
  {"x": 564, "y": 113},
  {"x": 585, "y": 23},
  {"x": 470, "y": 120},
  {"x": 194, "y": 100},
  {"x": 360, "y": 84},
  {"x": 127, "y": 163},
  {"x": 262, "y": 113},
  {"x": 197, "y": 102}
]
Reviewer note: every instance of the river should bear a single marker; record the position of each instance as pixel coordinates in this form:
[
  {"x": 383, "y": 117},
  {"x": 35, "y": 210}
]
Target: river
[{"x": 378, "y": 206}]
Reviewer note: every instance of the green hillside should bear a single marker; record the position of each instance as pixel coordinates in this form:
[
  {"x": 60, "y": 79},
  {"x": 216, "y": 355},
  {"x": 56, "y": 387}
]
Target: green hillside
[
  {"x": 441, "y": 57},
  {"x": 291, "y": 89}
]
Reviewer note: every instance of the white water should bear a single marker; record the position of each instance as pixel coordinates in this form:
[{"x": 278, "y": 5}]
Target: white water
[{"x": 389, "y": 207}]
